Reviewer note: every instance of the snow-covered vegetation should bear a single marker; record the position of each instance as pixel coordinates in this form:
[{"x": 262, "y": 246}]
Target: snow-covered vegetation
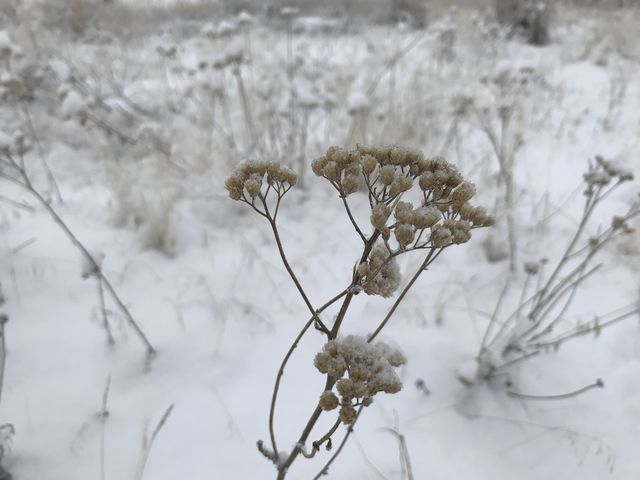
[{"x": 145, "y": 316}]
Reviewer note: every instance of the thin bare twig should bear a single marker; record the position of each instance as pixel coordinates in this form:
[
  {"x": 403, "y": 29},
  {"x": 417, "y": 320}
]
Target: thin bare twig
[
  {"x": 147, "y": 443},
  {"x": 325, "y": 469},
  {"x": 95, "y": 266},
  {"x": 104, "y": 413},
  {"x": 525, "y": 396}
]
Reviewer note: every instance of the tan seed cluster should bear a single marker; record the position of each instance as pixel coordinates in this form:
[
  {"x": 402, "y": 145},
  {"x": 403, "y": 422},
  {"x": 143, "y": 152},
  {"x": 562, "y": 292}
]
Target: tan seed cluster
[
  {"x": 328, "y": 400},
  {"x": 604, "y": 171},
  {"x": 370, "y": 369},
  {"x": 380, "y": 275},
  {"x": 620, "y": 223},
  {"x": 250, "y": 176},
  {"x": 341, "y": 167}
]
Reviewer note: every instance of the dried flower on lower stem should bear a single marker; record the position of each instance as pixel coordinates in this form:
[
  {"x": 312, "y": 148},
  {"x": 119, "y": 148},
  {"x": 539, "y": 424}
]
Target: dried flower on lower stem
[{"x": 369, "y": 368}]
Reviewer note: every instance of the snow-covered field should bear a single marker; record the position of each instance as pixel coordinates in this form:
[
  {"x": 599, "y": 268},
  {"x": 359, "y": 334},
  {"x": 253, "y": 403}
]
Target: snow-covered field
[{"x": 129, "y": 137}]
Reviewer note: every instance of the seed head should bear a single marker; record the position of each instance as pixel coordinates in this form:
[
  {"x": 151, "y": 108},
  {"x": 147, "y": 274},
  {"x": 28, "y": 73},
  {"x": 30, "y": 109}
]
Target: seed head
[
  {"x": 463, "y": 193},
  {"x": 387, "y": 175},
  {"x": 348, "y": 414},
  {"x": 405, "y": 234},
  {"x": 379, "y": 216},
  {"x": 425, "y": 217},
  {"x": 328, "y": 400},
  {"x": 400, "y": 184},
  {"x": 369, "y": 164},
  {"x": 440, "y": 236}
]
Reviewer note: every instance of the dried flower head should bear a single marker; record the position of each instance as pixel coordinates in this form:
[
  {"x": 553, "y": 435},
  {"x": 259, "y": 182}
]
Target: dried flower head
[
  {"x": 531, "y": 268},
  {"x": 379, "y": 215},
  {"x": 247, "y": 182},
  {"x": 380, "y": 275},
  {"x": 370, "y": 369},
  {"x": 328, "y": 400}
]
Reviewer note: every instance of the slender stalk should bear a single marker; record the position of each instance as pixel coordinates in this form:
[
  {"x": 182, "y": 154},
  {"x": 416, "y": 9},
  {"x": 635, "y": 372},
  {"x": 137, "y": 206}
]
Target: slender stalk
[
  {"x": 494, "y": 316},
  {"x": 294, "y": 345},
  {"x": 579, "y": 331},
  {"x": 282, "y": 470},
  {"x": 343, "y": 197},
  {"x": 43, "y": 159},
  {"x": 103, "y": 312},
  {"x": 588, "y": 210},
  {"x": 3, "y": 351},
  {"x": 430, "y": 257},
  {"x": 246, "y": 108},
  {"x": 597, "y": 384},
  {"x": 347, "y": 301},
  {"x": 104, "y": 413},
  {"x": 325, "y": 469},
  {"x": 325, "y": 438},
  {"x": 148, "y": 443},
  {"x": 26, "y": 183},
  {"x": 291, "y": 273}
]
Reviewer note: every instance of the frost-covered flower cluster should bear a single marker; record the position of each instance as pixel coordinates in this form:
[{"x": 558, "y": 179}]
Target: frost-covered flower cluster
[
  {"x": 247, "y": 182},
  {"x": 370, "y": 369},
  {"x": 444, "y": 215},
  {"x": 380, "y": 274},
  {"x": 604, "y": 171}
]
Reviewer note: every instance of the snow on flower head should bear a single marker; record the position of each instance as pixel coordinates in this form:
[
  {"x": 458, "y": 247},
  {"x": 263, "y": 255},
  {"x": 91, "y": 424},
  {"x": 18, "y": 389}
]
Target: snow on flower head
[
  {"x": 370, "y": 369},
  {"x": 380, "y": 274},
  {"x": 248, "y": 179}
]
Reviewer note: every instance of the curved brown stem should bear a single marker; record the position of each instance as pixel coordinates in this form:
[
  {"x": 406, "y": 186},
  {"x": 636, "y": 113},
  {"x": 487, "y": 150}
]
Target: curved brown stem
[
  {"x": 427, "y": 261},
  {"x": 292, "y": 274},
  {"x": 276, "y": 387},
  {"x": 325, "y": 469}
]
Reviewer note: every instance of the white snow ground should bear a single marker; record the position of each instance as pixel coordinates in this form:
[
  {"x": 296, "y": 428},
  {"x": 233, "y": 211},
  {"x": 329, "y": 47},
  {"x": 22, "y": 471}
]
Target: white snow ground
[{"x": 219, "y": 307}]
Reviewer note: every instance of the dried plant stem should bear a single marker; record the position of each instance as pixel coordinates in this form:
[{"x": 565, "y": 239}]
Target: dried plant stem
[
  {"x": 523, "y": 396},
  {"x": 433, "y": 254},
  {"x": 147, "y": 443},
  {"x": 293, "y": 346},
  {"x": 325, "y": 438},
  {"x": 325, "y": 469},
  {"x": 103, "y": 312},
  {"x": 291, "y": 273},
  {"x": 405, "y": 460},
  {"x": 13, "y": 203},
  {"x": 246, "y": 107},
  {"x": 3, "y": 351},
  {"x": 104, "y": 413},
  {"x": 43, "y": 159},
  {"x": 282, "y": 469},
  {"x": 95, "y": 266},
  {"x": 505, "y": 162},
  {"x": 343, "y": 197},
  {"x": 541, "y": 295},
  {"x": 582, "y": 331},
  {"x": 494, "y": 315}
]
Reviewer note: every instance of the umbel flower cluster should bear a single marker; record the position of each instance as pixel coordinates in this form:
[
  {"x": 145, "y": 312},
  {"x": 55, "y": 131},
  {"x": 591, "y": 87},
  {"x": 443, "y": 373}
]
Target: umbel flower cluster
[
  {"x": 254, "y": 178},
  {"x": 370, "y": 369},
  {"x": 442, "y": 217},
  {"x": 604, "y": 172},
  {"x": 380, "y": 275}
]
